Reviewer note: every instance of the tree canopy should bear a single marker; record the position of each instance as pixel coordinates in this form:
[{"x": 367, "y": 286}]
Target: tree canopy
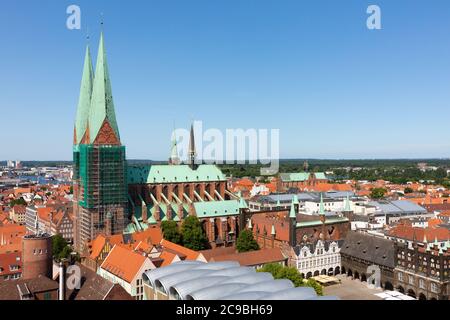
[
  {"x": 281, "y": 272},
  {"x": 246, "y": 242},
  {"x": 192, "y": 234},
  {"x": 377, "y": 193},
  {"x": 61, "y": 249},
  {"x": 171, "y": 232}
]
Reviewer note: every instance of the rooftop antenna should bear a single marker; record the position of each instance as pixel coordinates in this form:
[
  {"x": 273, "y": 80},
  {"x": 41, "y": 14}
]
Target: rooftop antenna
[
  {"x": 87, "y": 34},
  {"x": 101, "y": 20}
]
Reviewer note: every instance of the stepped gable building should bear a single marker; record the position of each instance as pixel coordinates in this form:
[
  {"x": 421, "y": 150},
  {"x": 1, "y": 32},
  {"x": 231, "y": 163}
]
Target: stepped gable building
[
  {"x": 422, "y": 269},
  {"x": 321, "y": 257},
  {"x": 111, "y": 197},
  {"x": 361, "y": 250}
]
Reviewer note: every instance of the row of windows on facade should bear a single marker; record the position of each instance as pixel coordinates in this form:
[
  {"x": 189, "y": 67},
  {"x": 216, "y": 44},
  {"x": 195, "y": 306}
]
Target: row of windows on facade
[
  {"x": 402, "y": 256},
  {"x": 434, "y": 287},
  {"x": 39, "y": 251},
  {"x": 320, "y": 262},
  {"x": 319, "y": 251},
  {"x": 12, "y": 276}
]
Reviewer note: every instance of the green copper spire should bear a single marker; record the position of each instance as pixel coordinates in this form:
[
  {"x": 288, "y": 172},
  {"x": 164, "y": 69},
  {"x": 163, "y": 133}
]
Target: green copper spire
[
  {"x": 242, "y": 204},
  {"x": 347, "y": 204},
  {"x": 292, "y": 213},
  {"x": 102, "y": 105},
  {"x": 321, "y": 206},
  {"x": 84, "y": 100},
  {"x": 174, "y": 159},
  {"x": 295, "y": 199},
  {"x": 278, "y": 203}
]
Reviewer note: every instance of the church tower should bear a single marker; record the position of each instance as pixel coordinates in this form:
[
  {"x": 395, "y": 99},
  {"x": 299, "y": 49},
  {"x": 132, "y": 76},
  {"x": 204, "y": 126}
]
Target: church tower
[
  {"x": 191, "y": 153},
  {"x": 99, "y": 158},
  {"x": 174, "y": 159}
]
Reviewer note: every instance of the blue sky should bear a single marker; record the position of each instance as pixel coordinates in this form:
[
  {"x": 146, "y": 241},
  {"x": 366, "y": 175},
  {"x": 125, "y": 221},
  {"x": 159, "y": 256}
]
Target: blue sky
[{"x": 310, "y": 68}]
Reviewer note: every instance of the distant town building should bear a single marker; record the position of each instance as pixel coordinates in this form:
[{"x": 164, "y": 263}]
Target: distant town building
[
  {"x": 17, "y": 214},
  {"x": 300, "y": 180}
]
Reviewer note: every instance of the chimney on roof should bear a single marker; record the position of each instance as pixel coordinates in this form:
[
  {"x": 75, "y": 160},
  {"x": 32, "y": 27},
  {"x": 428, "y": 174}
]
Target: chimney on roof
[{"x": 62, "y": 282}]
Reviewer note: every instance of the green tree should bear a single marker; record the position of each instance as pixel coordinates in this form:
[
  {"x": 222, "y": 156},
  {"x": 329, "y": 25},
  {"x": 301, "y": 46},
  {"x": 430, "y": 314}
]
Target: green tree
[
  {"x": 246, "y": 242},
  {"x": 315, "y": 285},
  {"x": 60, "y": 247},
  {"x": 377, "y": 193},
  {"x": 408, "y": 190},
  {"x": 292, "y": 274},
  {"x": 19, "y": 201},
  {"x": 171, "y": 232},
  {"x": 281, "y": 272},
  {"x": 192, "y": 234}
]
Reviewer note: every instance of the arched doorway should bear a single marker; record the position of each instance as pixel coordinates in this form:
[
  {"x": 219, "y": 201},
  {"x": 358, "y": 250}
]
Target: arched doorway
[
  {"x": 422, "y": 297},
  {"x": 356, "y": 275},
  {"x": 343, "y": 271},
  {"x": 330, "y": 271},
  {"x": 337, "y": 271},
  {"x": 363, "y": 277},
  {"x": 302, "y": 275},
  {"x": 388, "y": 286},
  {"x": 324, "y": 272},
  {"x": 411, "y": 293},
  {"x": 316, "y": 273},
  {"x": 349, "y": 273},
  {"x": 433, "y": 298},
  {"x": 401, "y": 289},
  {"x": 309, "y": 275}
]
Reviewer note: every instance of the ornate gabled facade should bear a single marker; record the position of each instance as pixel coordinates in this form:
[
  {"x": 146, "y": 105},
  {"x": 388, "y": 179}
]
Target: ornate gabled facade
[
  {"x": 100, "y": 200},
  {"x": 315, "y": 258}
]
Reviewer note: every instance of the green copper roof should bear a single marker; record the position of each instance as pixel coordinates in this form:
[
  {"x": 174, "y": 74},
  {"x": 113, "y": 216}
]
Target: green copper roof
[
  {"x": 347, "y": 204},
  {"x": 318, "y": 222},
  {"x": 292, "y": 213},
  {"x": 173, "y": 174},
  {"x": 300, "y": 176},
  {"x": 321, "y": 206},
  {"x": 102, "y": 105},
  {"x": 242, "y": 204},
  {"x": 84, "y": 99},
  {"x": 212, "y": 209},
  {"x": 295, "y": 199}
]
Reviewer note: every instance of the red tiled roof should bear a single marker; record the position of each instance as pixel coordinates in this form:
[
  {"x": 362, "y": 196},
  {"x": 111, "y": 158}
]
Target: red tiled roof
[
  {"x": 253, "y": 258},
  {"x": 183, "y": 251},
  {"x": 123, "y": 263},
  {"x": 8, "y": 260}
]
